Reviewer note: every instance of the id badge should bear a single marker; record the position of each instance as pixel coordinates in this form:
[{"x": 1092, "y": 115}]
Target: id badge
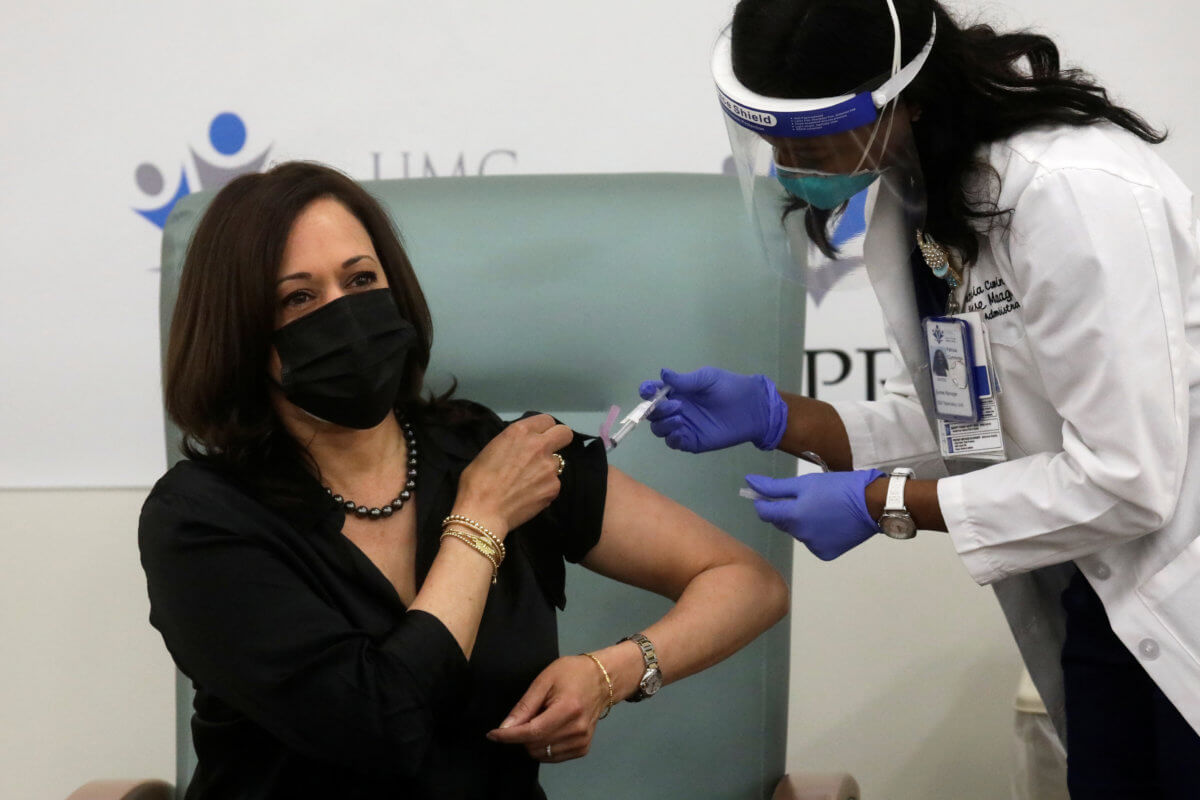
[
  {"x": 982, "y": 440},
  {"x": 952, "y": 368}
]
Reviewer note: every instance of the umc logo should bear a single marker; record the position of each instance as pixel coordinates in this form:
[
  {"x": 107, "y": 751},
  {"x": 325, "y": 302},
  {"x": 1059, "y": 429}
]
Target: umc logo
[{"x": 227, "y": 135}]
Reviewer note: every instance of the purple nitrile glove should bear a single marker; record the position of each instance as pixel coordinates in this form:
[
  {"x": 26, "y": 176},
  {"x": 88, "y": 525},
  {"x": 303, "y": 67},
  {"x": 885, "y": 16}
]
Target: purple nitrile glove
[
  {"x": 826, "y": 512},
  {"x": 713, "y": 408}
]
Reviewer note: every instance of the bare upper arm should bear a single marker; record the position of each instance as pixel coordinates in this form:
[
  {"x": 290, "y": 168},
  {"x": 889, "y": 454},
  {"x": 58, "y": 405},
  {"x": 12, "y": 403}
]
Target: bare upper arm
[{"x": 650, "y": 541}]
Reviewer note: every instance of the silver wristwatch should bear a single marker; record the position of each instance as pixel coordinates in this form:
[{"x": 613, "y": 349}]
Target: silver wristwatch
[
  {"x": 896, "y": 522},
  {"x": 651, "y": 680}
]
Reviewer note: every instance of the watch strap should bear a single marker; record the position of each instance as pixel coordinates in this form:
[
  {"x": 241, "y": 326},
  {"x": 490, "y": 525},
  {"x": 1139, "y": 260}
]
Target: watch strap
[
  {"x": 895, "y": 490},
  {"x": 649, "y": 657},
  {"x": 649, "y": 662},
  {"x": 897, "y": 522}
]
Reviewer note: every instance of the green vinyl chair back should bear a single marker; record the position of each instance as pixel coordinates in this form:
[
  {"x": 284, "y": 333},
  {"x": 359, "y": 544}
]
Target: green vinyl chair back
[{"x": 561, "y": 294}]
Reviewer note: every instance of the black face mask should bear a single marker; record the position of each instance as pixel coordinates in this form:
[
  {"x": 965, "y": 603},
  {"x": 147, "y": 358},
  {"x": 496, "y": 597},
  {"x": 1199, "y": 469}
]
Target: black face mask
[{"x": 344, "y": 362}]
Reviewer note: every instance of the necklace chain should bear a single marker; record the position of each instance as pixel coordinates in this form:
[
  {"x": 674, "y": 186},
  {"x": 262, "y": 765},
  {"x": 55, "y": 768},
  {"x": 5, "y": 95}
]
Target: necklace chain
[{"x": 410, "y": 484}]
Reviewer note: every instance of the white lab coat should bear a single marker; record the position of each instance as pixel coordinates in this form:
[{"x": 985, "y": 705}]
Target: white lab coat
[{"x": 1094, "y": 302}]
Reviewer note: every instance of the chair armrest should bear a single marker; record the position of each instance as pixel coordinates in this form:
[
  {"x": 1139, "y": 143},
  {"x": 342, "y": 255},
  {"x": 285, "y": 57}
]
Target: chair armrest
[
  {"x": 817, "y": 786},
  {"x": 123, "y": 790}
]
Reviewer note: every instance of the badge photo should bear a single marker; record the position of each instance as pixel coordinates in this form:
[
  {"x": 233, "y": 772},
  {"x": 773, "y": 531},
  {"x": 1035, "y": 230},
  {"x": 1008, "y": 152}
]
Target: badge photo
[{"x": 952, "y": 369}]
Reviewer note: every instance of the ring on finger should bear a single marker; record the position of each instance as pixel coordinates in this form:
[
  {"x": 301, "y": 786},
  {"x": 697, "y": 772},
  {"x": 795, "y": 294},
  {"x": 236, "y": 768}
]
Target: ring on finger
[
  {"x": 549, "y": 753},
  {"x": 562, "y": 463}
]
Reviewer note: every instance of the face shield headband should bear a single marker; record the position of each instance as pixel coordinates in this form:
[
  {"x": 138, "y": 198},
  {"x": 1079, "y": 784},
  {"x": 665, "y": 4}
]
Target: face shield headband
[{"x": 793, "y": 118}]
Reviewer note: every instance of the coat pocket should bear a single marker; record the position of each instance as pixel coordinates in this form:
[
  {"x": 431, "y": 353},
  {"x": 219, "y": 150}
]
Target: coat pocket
[{"x": 1173, "y": 595}]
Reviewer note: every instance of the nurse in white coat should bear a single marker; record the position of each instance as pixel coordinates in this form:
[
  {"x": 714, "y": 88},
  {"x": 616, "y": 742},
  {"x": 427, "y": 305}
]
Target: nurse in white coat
[{"x": 1050, "y": 223}]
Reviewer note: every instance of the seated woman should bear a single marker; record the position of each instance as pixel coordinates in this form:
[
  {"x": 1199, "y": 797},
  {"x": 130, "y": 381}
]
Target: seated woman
[{"x": 361, "y": 581}]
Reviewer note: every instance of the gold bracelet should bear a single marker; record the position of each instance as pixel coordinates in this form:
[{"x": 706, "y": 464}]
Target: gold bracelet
[
  {"x": 478, "y": 547},
  {"x": 479, "y": 539},
  {"x": 482, "y": 541},
  {"x": 477, "y": 542},
  {"x": 475, "y": 526},
  {"x": 607, "y": 682}
]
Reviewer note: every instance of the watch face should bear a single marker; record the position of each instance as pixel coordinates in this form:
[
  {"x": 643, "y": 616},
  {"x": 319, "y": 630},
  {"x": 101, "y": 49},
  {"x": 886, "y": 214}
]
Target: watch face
[
  {"x": 898, "y": 526},
  {"x": 651, "y": 682}
]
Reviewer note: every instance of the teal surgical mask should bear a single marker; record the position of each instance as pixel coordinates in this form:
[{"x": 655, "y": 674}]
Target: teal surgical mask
[{"x": 824, "y": 191}]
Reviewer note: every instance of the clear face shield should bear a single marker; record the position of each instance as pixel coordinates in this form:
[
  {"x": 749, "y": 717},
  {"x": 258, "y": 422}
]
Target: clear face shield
[{"x": 835, "y": 159}]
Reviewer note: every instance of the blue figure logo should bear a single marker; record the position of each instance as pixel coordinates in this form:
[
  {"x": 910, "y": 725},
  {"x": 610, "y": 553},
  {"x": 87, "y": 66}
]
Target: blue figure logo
[
  {"x": 227, "y": 135},
  {"x": 150, "y": 180}
]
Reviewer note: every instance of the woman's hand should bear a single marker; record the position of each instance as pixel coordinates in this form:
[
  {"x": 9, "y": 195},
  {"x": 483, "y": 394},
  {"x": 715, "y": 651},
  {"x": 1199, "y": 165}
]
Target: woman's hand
[
  {"x": 826, "y": 512},
  {"x": 559, "y": 709},
  {"x": 515, "y": 476},
  {"x": 712, "y": 408}
]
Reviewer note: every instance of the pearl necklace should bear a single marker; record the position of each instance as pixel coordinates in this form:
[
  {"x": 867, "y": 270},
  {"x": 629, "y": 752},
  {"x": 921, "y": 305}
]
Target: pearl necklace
[{"x": 410, "y": 483}]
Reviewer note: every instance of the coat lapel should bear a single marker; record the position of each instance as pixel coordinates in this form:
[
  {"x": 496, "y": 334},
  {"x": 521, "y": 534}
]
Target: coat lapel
[{"x": 887, "y": 250}]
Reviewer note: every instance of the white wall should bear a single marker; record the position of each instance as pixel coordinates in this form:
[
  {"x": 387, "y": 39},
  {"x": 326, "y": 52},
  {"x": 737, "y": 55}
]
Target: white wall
[
  {"x": 902, "y": 673},
  {"x": 86, "y": 688}
]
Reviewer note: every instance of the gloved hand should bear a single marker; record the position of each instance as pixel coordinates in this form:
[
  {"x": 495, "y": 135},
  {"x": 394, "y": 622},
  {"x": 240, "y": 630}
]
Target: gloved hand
[
  {"x": 826, "y": 512},
  {"x": 712, "y": 408}
]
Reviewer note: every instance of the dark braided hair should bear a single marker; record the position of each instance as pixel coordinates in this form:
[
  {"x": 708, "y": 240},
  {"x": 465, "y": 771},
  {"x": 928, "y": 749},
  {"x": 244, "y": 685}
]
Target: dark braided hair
[{"x": 978, "y": 86}]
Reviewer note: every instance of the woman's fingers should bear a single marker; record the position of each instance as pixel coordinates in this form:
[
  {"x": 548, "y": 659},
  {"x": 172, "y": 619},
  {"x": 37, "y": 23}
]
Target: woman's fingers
[
  {"x": 557, "y": 434},
  {"x": 647, "y": 389},
  {"x": 558, "y": 437},
  {"x": 559, "y": 709},
  {"x": 540, "y": 432},
  {"x": 537, "y": 423},
  {"x": 525, "y": 709},
  {"x": 560, "y": 750},
  {"x": 666, "y": 426},
  {"x": 516, "y": 475},
  {"x": 553, "y": 721},
  {"x": 774, "y": 487}
]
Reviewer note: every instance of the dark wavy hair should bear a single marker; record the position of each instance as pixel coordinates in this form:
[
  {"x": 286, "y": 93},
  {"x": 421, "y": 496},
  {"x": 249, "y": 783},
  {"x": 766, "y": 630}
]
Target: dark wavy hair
[
  {"x": 977, "y": 87},
  {"x": 216, "y": 387}
]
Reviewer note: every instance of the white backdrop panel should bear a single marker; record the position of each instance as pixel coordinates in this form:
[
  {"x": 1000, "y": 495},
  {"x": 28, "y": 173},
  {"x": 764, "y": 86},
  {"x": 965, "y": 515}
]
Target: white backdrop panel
[{"x": 91, "y": 93}]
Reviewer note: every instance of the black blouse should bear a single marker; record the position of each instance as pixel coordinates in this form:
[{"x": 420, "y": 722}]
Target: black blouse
[{"x": 312, "y": 679}]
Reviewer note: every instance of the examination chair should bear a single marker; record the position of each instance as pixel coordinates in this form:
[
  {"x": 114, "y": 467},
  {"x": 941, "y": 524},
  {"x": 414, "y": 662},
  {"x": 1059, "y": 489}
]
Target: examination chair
[{"x": 561, "y": 294}]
